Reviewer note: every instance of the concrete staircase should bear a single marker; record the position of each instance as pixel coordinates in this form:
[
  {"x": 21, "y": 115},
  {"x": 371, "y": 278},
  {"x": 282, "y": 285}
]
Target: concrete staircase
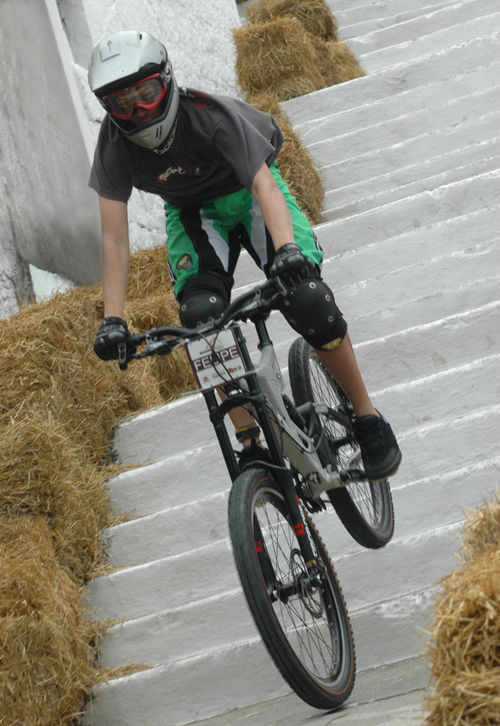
[{"x": 410, "y": 163}]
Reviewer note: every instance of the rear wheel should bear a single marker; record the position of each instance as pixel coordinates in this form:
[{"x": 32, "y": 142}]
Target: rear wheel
[
  {"x": 303, "y": 621},
  {"x": 364, "y": 507}
]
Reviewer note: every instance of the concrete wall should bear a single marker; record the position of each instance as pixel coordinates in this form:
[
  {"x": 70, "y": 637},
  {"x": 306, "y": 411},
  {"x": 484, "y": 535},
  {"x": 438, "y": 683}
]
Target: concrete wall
[
  {"x": 53, "y": 221},
  {"x": 49, "y": 122}
]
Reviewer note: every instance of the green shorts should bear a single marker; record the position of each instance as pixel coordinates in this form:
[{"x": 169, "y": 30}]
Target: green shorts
[{"x": 207, "y": 238}]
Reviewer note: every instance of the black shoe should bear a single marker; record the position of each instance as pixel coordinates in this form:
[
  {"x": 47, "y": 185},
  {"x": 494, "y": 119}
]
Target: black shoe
[
  {"x": 379, "y": 449},
  {"x": 253, "y": 455}
]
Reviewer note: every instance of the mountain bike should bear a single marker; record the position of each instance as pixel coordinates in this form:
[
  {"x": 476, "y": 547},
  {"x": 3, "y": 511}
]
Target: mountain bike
[{"x": 312, "y": 459}]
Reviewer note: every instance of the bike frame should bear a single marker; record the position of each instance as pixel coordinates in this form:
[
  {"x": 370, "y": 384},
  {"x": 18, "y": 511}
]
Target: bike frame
[
  {"x": 266, "y": 400},
  {"x": 264, "y": 396}
]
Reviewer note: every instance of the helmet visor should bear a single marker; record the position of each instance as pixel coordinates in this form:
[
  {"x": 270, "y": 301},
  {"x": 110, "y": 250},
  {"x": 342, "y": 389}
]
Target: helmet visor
[{"x": 147, "y": 93}]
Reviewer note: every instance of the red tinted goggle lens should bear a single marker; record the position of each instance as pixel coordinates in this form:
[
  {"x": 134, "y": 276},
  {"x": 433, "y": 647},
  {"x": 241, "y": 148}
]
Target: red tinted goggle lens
[{"x": 146, "y": 93}]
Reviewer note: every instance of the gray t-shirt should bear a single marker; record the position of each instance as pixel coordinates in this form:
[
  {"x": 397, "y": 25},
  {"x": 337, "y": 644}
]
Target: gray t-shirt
[{"x": 219, "y": 146}]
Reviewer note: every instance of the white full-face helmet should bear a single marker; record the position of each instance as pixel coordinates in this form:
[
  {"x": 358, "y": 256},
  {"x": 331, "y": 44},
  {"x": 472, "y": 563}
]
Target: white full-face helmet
[{"x": 129, "y": 70}]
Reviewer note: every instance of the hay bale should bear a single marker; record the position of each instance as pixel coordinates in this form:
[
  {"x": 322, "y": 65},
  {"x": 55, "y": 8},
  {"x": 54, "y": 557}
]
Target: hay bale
[
  {"x": 44, "y": 471},
  {"x": 297, "y": 166},
  {"x": 314, "y": 15},
  {"x": 48, "y": 347},
  {"x": 482, "y": 532},
  {"x": 148, "y": 275},
  {"x": 58, "y": 407},
  {"x": 282, "y": 58},
  {"x": 465, "y": 637},
  {"x": 344, "y": 65},
  {"x": 47, "y": 656},
  {"x": 277, "y": 56},
  {"x": 465, "y": 646}
]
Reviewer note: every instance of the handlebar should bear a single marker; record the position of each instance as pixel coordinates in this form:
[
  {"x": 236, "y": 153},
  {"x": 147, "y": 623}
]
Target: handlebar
[{"x": 253, "y": 304}]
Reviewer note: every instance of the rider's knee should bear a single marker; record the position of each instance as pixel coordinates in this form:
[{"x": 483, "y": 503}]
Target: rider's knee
[
  {"x": 202, "y": 298},
  {"x": 311, "y": 311}
]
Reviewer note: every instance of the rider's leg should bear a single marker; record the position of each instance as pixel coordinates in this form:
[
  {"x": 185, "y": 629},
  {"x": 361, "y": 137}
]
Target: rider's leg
[
  {"x": 379, "y": 449},
  {"x": 342, "y": 364},
  {"x": 311, "y": 310}
]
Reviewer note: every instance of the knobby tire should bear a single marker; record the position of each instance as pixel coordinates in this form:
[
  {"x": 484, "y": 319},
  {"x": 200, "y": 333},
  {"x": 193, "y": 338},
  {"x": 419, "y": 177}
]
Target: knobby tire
[{"x": 307, "y": 632}]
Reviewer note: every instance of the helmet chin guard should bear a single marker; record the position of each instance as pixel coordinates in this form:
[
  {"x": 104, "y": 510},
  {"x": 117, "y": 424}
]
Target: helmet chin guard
[{"x": 121, "y": 61}]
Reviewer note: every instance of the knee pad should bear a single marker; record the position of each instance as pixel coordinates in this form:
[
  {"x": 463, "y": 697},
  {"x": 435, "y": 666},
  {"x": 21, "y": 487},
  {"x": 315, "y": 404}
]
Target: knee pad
[
  {"x": 202, "y": 298},
  {"x": 311, "y": 310}
]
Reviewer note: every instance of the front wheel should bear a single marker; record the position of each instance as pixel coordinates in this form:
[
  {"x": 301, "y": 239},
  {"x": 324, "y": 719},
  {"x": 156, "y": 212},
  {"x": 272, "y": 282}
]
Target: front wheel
[
  {"x": 303, "y": 620},
  {"x": 364, "y": 507}
]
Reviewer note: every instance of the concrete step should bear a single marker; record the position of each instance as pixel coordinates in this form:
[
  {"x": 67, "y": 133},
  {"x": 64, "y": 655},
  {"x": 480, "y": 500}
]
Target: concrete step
[
  {"x": 375, "y": 164},
  {"x": 415, "y": 212},
  {"x": 369, "y": 7},
  {"x": 357, "y": 275},
  {"x": 456, "y": 165},
  {"x": 177, "y": 692},
  {"x": 440, "y": 126},
  {"x": 142, "y": 696},
  {"x": 438, "y": 91},
  {"x": 359, "y": 21},
  {"x": 417, "y": 505},
  {"x": 219, "y": 622},
  {"x": 455, "y": 28},
  {"x": 366, "y": 576},
  {"x": 442, "y": 267},
  {"x": 128, "y": 701},
  {"x": 146, "y": 589},
  {"x": 423, "y": 400},
  {"x": 398, "y": 358},
  {"x": 391, "y": 694},
  {"x": 345, "y": 265},
  {"x": 163, "y": 525},
  {"x": 377, "y": 88},
  {"x": 380, "y": 255},
  {"x": 388, "y": 12},
  {"x": 186, "y": 630},
  {"x": 423, "y": 25},
  {"x": 385, "y": 320}
]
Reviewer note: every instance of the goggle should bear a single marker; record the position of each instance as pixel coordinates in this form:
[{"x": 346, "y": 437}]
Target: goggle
[{"x": 146, "y": 93}]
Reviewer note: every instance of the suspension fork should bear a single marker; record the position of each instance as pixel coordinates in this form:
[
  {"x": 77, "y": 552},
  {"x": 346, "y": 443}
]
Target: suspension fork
[{"x": 217, "y": 419}]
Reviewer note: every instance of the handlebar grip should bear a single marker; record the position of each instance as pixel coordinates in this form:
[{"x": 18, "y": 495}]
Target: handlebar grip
[{"x": 122, "y": 356}]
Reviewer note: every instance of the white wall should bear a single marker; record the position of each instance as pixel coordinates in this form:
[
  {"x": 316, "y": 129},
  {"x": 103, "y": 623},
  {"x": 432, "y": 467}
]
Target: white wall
[{"x": 45, "y": 145}]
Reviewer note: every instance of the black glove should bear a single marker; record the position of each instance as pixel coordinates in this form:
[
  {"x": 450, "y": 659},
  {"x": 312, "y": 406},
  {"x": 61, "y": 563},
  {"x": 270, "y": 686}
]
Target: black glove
[
  {"x": 291, "y": 265},
  {"x": 112, "y": 331}
]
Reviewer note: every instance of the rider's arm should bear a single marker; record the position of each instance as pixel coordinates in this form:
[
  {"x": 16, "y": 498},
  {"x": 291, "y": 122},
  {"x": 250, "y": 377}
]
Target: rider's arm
[
  {"x": 115, "y": 255},
  {"x": 274, "y": 207}
]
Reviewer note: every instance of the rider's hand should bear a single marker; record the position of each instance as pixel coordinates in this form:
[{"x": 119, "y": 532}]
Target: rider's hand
[
  {"x": 112, "y": 331},
  {"x": 291, "y": 265}
]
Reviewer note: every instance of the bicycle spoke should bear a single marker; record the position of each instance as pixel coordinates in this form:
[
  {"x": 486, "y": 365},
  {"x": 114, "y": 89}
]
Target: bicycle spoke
[{"x": 309, "y": 634}]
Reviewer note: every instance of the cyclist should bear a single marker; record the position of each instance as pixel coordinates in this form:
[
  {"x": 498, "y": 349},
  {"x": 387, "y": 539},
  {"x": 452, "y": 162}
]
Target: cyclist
[{"x": 212, "y": 160}]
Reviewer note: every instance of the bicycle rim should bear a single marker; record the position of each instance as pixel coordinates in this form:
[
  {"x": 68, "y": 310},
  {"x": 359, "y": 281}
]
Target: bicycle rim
[{"x": 365, "y": 507}]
